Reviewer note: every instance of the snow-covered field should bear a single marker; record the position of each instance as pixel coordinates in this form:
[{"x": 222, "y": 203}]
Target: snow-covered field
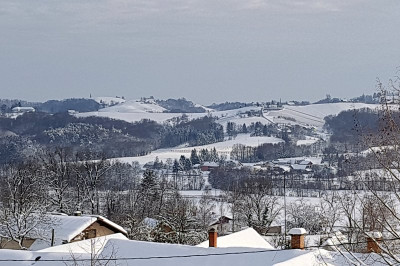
[
  {"x": 310, "y": 115},
  {"x": 135, "y": 110},
  {"x": 222, "y": 148},
  {"x": 313, "y": 114},
  {"x": 109, "y": 100},
  {"x": 131, "y": 116}
]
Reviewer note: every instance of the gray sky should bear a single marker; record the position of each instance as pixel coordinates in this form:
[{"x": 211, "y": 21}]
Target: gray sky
[{"x": 204, "y": 50}]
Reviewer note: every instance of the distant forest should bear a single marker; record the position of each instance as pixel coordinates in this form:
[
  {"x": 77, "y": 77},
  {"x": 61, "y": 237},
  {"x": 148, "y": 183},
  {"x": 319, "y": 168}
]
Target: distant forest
[{"x": 21, "y": 137}]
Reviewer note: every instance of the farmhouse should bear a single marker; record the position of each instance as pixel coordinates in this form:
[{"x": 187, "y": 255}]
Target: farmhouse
[
  {"x": 208, "y": 166},
  {"x": 66, "y": 229}
]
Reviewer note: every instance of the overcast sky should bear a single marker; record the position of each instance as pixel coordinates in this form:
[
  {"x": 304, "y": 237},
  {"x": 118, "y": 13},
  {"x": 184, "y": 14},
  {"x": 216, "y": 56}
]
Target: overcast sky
[{"x": 204, "y": 50}]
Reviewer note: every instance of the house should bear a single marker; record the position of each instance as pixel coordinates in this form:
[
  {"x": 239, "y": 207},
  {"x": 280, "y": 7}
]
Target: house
[
  {"x": 208, "y": 166},
  {"x": 155, "y": 225},
  {"x": 223, "y": 224},
  {"x": 72, "y": 112},
  {"x": 23, "y": 109},
  {"x": 66, "y": 229}
]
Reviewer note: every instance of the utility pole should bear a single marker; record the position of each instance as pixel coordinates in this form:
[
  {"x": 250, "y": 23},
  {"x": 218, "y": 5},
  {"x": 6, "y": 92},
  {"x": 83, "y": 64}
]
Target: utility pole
[{"x": 284, "y": 200}]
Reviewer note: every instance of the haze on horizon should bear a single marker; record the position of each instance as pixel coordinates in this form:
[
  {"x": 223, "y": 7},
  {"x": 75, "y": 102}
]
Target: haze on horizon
[{"x": 206, "y": 51}]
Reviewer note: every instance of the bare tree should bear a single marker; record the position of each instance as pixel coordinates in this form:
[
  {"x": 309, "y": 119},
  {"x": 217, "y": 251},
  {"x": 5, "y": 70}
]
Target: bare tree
[
  {"x": 101, "y": 253},
  {"x": 24, "y": 202},
  {"x": 205, "y": 210},
  {"x": 259, "y": 208},
  {"x": 60, "y": 174},
  {"x": 330, "y": 211},
  {"x": 90, "y": 175},
  {"x": 373, "y": 206}
]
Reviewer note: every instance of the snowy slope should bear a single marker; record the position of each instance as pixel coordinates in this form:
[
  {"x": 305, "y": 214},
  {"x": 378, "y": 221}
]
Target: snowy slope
[
  {"x": 135, "y": 110},
  {"x": 135, "y": 106},
  {"x": 309, "y": 115},
  {"x": 312, "y": 115},
  {"x": 248, "y": 238},
  {"x": 130, "y": 116},
  {"x": 222, "y": 148},
  {"x": 109, "y": 100}
]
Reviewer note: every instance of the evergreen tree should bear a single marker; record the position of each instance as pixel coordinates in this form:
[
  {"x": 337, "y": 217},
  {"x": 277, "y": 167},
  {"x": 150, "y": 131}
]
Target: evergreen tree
[
  {"x": 214, "y": 155},
  {"x": 176, "y": 167},
  {"x": 149, "y": 180},
  {"x": 182, "y": 161},
  {"x": 204, "y": 155},
  {"x": 258, "y": 128},
  {"x": 266, "y": 131},
  {"x": 244, "y": 128},
  {"x": 188, "y": 164},
  {"x": 230, "y": 128},
  {"x": 194, "y": 158},
  {"x": 157, "y": 164}
]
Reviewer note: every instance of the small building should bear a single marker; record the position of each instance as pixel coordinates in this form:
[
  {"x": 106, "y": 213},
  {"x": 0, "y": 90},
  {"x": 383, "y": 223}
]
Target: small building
[
  {"x": 66, "y": 229},
  {"x": 72, "y": 112},
  {"x": 303, "y": 166},
  {"x": 208, "y": 166},
  {"x": 223, "y": 224},
  {"x": 23, "y": 109}
]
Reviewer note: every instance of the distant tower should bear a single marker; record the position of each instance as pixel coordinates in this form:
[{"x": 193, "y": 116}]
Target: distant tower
[{"x": 90, "y": 96}]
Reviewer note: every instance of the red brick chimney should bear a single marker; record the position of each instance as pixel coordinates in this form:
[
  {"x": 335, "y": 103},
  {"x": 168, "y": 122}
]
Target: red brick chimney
[
  {"x": 212, "y": 238},
  {"x": 297, "y": 235},
  {"x": 373, "y": 241}
]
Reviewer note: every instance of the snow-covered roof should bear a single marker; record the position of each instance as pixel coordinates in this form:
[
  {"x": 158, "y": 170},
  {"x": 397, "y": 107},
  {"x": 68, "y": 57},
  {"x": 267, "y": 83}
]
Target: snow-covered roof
[
  {"x": 297, "y": 231},
  {"x": 297, "y": 160},
  {"x": 211, "y": 164},
  {"x": 111, "y": 223},
  {"x": 219, "y": 220},
  {"x": 247, "y": 238},
  {"x": 299, "y": 166},
  {"x": 23, "y": 109},
  {"x": 67, "y": 227},
  {"x": 305, "y": 162},
  {"x": 375, "y": 234},
  {"x": 285, "y": 168},
  {"x": 129, "y": 252},
  {"x": 83, "y": 246},
  {"x": 335, "y": 241}
]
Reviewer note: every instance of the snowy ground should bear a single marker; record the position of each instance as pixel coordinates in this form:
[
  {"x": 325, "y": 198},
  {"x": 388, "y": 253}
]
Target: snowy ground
[
  {"x": 134, "y": 111},
  {"x": 309, "y": 115},
  {"x": 308, "y": 141},
  {"x": 129, "y": 252},
  {"x": 223, "y": 148},
  {"x": 109, "y": 100},
  {"x": 313, "y": 114}
]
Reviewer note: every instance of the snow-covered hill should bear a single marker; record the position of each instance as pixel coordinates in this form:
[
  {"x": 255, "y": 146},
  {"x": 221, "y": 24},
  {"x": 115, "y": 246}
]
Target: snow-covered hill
[
  {"x": 109, "y": 100},
  {"x": 135, "y": 106},
  {"x": 313, "y": 114},
  {"x": 132, "y": 111},
  {"x": 309, "y": 115},
  {"x": 222, "y": 148}
]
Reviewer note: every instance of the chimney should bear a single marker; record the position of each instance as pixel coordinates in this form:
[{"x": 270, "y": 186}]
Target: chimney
[
  {"x": 77, "y": 213},
  {"x": 297, "y": 238},
  {"x": 373, "y": 241},
  {"x": 212, "y": 238}
]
